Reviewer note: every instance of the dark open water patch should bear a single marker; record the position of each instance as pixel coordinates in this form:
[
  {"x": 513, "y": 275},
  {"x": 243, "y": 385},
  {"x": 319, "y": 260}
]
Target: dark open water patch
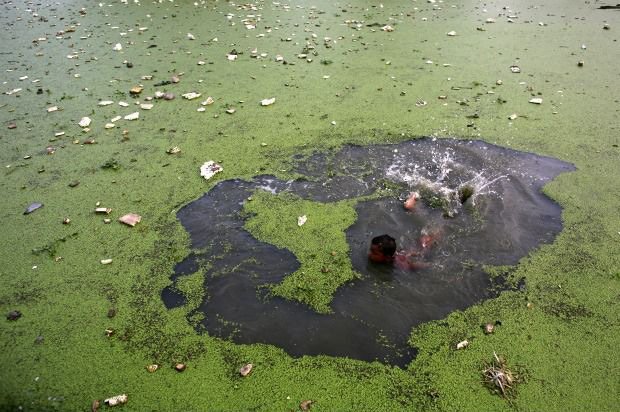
[{"x": 504, "y": 219}]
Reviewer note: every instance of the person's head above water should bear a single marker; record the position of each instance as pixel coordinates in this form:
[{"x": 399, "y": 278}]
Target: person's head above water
[{"x": 382, "y": 248}]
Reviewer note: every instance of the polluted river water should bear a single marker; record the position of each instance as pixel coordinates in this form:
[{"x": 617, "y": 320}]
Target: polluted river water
[
  {"x": 450, "y": 237},
  {"x": 108, "y": 109}
]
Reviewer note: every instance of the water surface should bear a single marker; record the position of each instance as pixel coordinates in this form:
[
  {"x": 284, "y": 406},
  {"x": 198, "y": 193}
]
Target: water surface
[{"x": 506, "y": 217}]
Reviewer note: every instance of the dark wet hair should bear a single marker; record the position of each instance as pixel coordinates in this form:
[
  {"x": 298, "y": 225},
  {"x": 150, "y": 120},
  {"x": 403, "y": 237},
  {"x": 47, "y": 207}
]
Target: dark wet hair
[{"x": 387, "y": 244}]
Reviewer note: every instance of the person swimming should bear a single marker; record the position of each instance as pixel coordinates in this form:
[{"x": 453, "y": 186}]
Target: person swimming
[{"x": 383, "y": 250}]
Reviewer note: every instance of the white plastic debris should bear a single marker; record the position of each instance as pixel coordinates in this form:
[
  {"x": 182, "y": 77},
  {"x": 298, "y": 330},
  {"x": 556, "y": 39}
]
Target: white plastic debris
[
  {"x": 109, "y": 126},
  {"x": 105, "y": 103},
  {"x": 515, "y": 69},
  {"x": 536, "y": 100},
  {"x": 387, "y": 28},
  {"x": 107, "y": 262},
  {"x": 85, "y": 122},
  {"x": 130, "y": 219},
  {"x": 268, "y": 102},
  {"x": 52, "y": 109},
  {"x": 208, "y": 101},
  {"x": 116, "y": 400},
  {"x": 451, "y": 33},
  {"x": 301, "y": 220},
  {"x": 146, "y": 106},
  {"x": 462, "y": 345},
  {"x": 117, "y": 47},
  {"x": 209, "y": 169},
  {"x": 132, "y": 116},
  {"x": 191, "y": 95},
  {"x": 190, "y": 36},
  {"x": 231, "y": 57}
]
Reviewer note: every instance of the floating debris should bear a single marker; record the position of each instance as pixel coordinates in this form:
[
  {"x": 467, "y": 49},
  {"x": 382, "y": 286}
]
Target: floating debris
[
  {"x": 488, "y": 328},
  {"x": 14, "y": 91},
  {"x": 305, "y": 405},
  {"x": 168, "y": 96},
  {"x": 116, "y": 400},
  {"x": 103, "y": 210},
  {"x": 387, "y": 28},
  {"x": 14, "y": 315},
  {"x": 208, "y": 102},
  {"x": 498, "y": 377},
  {"x": 513, "y": 116},
  {"x": 136, "y": 90},
  {"x": 52, "y": 109},
  {"x": 85, "y": 122},
  {"x": 95, "y": 405},
  {"x": 190, "y": 36},
  {"x": 451, "y": 33},
  {"x": 180, "y": 367},
  {"x": 146, "y": 106},
  {"x": 31, "y": 208},
  {"x": 132, "y": 116},
  {"x": 173, "y": 150},
  {"x": 152, "y": 368},
  {"x": 301, "y": 220},
  {"x": 462, "y": 345},
  {"x": 209, "y": 169},
  {"x": 105, "y": 103},
  {"x": 117, "y": 47},
  {"x": 130, "y": 219},
  {"x": 106, "y": 261},
  {"x": 536, "y": 100},
  {"x": 245, "y": 371},
  {"x": 191, "y": 95},
  {"x": 515, "y": 69},
  {"x": 230, "y": 111},
  {"x": 268, "y": 102}
]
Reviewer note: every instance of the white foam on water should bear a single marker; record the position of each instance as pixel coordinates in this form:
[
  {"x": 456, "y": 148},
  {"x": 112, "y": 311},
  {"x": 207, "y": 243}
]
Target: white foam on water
[{"x": 443, "y": 176}]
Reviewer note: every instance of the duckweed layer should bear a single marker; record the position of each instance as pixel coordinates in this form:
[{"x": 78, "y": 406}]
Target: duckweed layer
[
  {"x": 566, "y": 340},
  {"x": 320, "y": 244}
]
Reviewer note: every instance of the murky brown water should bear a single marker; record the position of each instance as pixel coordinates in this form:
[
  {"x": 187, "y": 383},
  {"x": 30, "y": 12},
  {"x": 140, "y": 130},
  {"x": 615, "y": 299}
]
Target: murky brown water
[{"x": 506, "y": 217}]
